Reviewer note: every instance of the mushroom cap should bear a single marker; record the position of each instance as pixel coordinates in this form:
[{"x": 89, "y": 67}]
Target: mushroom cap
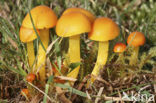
[
  {"x": 71, "y": 24},
  {"x": 27, "y": 34},
  {"x": 25, "y": 91},
  {"x": 119, "y": 47},
  {"x": 104, "y": 29},
  {"x": 30, "y": 77},
  {"x": 85, "y": 12},
  {"x": 136, "y": 39},
  {"x": 43, "y": 17}
]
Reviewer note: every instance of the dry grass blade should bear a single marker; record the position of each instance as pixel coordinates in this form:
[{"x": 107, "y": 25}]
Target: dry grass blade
[
  {"x": 120, "y": 96},
  {"x": 51, "y": 45},
  {"x": 143, "y": 88},
  {"x": 13, "y": 43},
  {"x": 36, "y": 99},
  {"x": 49, "y": 66},
  {"x": 88, "y": 96},
  {"x": 102, "y": 80},
  {"x": 41, "y": 91},
  {"x": 67, "y": 78},
  {"x": 99, "y": 94}
]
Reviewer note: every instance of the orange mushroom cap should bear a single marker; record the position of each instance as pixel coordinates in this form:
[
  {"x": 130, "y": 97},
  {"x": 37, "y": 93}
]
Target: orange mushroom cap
[
  {"x": 27, "y": 35},
  {"x": 25, "y": 91},
  {"x": 43, "y": 17},
  {"x": 30, "y": 77},
  {"x": 136, "y": 39},
  {"x": 119, "y": 47},
  {"x": 104, "y": 29},
  {"x": 85, "y": 12},
  {"x": 72, "y": 24}
]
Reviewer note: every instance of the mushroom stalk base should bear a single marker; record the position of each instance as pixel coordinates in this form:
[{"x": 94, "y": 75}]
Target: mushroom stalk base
[
  {"x": 31, "y": 55},
  {"x": 74, "y": 54},
  {"x": 44, "y": 36},
  {"x": 101, "y": 58},
  {"x": 134, "y": 56}
]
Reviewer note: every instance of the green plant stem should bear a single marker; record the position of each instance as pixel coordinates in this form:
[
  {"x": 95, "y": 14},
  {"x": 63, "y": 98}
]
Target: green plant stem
[{"x": 134, "y": 56}]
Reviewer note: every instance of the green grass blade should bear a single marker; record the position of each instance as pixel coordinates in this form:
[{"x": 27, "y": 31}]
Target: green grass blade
[
  {"x": 47, "y": 88},
  {"x": 36, "y": 31},
  {"x": 21, "y": 69},
  {"x": 46, "y": 92},
  {"x": 72, "y": 90}
]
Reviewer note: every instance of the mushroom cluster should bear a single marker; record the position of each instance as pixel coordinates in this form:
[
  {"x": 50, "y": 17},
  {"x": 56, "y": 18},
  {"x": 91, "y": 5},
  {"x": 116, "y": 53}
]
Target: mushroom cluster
[{"x": 72, "y": 23}]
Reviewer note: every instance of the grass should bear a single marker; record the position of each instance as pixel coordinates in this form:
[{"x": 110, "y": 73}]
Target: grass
[{"x": 115, "y": 77}]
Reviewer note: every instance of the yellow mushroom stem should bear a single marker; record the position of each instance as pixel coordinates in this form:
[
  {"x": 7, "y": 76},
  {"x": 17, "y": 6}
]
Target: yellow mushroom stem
[
  {"x": 74, "y": 54},
  {"x": 101, "y": 58},
  {"x": 44, "y": 36},
  {"x": 31, "y": 55},
  {"x": 134, "y": 56}
]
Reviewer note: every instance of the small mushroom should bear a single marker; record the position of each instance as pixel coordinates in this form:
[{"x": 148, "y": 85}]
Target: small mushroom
[
  {"x": 135, "y": 39},
  {"x": 119, "y": 47},
  {"x": 72, "y": 25},
  {"x": 44, "y": 18},
  {"x": 25, "y": 92},
  {"x": 103, "y": 30},
  {"x": 30, "y": 77}
]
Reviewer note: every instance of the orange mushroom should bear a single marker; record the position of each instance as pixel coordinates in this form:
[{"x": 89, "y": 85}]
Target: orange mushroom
[
  {"x": 88, "y": 14},
  {"x": 103, "y": 30},
  {"x": 135, "y": 39},
  {"x": 72, "y": 25},
  {"x": 30, "y": 77},
  {"x": 119, "y": 47},
  {"x": 43, "y": 18},
  {"x": 25, "y": 92}
]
